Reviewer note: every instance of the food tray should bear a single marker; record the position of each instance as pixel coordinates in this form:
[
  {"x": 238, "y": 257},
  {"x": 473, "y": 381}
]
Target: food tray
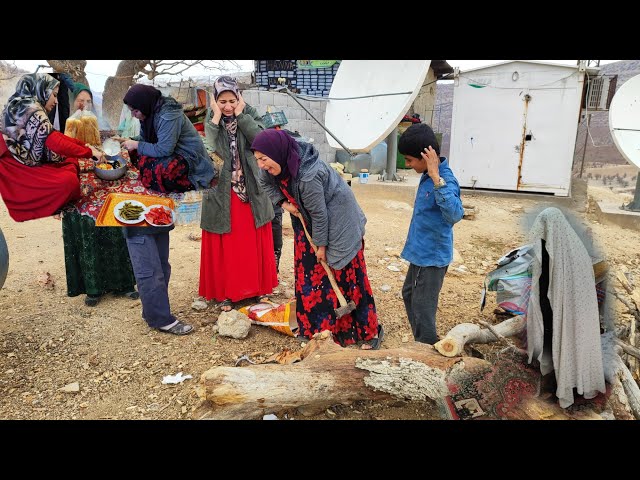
[{"x": 107, "y": 219}]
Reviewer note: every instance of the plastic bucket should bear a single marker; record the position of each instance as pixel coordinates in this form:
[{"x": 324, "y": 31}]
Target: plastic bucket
[{"x": 364, "y": 177}]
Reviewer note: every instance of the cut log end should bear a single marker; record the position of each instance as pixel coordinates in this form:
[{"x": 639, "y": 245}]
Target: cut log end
[{"x": 447, "y": 347}]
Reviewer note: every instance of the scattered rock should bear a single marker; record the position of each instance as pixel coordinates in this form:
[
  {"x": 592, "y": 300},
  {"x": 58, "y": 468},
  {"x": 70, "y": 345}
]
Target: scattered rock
[
  {"x": 394, "y": 268},
  {"x": 385, "y": 288},
  {"x": 405, "y": 338},
  {"x": 199, "y": 305},
  {"x": 70, "y": 388},
  {"x": 233, "y": 324},
  {"x": 195, "y": 236},
  {"x": 46, "y": 281}
]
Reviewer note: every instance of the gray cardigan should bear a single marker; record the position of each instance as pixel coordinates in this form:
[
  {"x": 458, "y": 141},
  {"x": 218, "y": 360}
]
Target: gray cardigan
[
  {"x": 216, "y": 202},
  {"x": 330, "y": 210}
]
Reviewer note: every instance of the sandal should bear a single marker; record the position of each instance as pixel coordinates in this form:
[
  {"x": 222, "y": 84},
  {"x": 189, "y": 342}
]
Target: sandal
[
  {"x": 226, "y": 305},
  {"x": 375, "y": 343},
  {"x": 178, "y": 329},
  {"x": 263, "y": 299}
]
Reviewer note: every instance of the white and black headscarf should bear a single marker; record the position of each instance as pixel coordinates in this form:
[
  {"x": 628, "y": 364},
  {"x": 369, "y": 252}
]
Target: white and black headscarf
[
  {"x": 25, "y": 123},
  {"x": 238, "y": 183}
]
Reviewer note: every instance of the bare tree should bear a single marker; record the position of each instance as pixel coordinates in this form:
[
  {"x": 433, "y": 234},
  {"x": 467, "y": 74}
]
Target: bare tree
[
  {"x": 75, "y": 68},
  {"x": 131, "y": 70},
  {"x": 175, "y": 67},
  {"x": 116, "y": 87},
  {"x": 9, "y": 71}
]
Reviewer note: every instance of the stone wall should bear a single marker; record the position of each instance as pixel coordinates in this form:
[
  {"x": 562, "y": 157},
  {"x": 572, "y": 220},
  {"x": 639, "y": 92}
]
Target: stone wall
[{"x": 298, "y": 119}]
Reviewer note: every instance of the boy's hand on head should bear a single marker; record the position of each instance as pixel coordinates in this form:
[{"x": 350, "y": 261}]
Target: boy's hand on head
[{"x": 433, "y": 163}]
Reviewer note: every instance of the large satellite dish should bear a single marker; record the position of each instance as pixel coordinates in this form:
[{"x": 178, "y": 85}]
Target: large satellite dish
[
  {"x": 624, "y": 120},
  {"x": 361, "y": 123}
]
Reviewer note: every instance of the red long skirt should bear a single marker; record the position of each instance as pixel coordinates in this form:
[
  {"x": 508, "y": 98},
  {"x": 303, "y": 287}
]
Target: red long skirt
[
  {"x": 239, "y": 264},
  {"x": 37, "y": 192}
]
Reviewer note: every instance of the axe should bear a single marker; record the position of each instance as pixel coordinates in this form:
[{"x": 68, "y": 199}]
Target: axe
[{"x": 344, "y": 307}]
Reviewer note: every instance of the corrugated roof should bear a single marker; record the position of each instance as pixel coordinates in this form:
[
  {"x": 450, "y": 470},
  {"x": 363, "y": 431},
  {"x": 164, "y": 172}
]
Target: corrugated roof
[
  {"x": 441, "y": 67},
  {"x": 590, "y": 70}
]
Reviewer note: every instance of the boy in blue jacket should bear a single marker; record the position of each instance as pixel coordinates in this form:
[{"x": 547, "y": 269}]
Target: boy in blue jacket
[{"x": 429, "y": 245}]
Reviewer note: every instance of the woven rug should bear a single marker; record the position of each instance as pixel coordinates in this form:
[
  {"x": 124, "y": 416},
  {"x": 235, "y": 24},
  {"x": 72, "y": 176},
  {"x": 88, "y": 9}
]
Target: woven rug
[
  {"x": 506, "y": 389},
  {"x": 493, "y": 391}
]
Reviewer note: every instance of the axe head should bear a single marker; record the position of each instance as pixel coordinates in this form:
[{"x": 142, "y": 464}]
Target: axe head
[{"x": 348, "y": 308}]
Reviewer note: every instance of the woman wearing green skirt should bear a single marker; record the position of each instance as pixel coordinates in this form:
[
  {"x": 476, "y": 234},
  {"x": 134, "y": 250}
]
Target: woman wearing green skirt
[{"x": 96, "y": 258}]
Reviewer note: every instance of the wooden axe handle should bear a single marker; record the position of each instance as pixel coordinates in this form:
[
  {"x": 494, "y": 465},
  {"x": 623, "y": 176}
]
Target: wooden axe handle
[{"x": 332, "y": 279}]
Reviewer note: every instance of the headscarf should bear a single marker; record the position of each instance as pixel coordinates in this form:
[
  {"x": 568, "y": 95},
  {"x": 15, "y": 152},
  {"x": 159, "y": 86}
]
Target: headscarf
[
  {"x": 25, "y": 121},
  {"x": 238, "y": 183},
  {"x": 281, "y": 148},
  {"x": 80, "y": 87},
  {"x": 416, "y": 138},
  {"x": 224, "y": 84},
  {"x": 148, "y": 100}
]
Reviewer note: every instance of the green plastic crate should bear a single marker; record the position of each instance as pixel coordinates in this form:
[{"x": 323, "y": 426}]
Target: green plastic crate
[{"x": 274, "y": 119}]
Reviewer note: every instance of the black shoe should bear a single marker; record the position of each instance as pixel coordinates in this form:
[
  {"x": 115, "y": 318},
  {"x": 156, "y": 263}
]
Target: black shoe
[
  {"x": 92, "y": 300},
  {"x": 131, "y": 294},
  {"x": 178, "y": 329},
  {"x": 278, "y": 253}
]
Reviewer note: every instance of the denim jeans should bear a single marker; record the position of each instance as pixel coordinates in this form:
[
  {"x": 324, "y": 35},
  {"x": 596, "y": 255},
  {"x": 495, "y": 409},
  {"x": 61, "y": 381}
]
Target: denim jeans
[
  {"x": 150, "y": 261},
  {"x": 420, "y": 293}
]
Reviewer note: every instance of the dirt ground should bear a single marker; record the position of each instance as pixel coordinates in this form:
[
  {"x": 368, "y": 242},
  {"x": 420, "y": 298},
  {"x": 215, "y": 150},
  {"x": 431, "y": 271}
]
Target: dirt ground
[{"x": 49, "y": 340}]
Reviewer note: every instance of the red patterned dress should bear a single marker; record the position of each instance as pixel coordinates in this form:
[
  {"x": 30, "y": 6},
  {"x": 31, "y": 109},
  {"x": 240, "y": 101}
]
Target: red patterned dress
[{"x": 316, "y": 300}]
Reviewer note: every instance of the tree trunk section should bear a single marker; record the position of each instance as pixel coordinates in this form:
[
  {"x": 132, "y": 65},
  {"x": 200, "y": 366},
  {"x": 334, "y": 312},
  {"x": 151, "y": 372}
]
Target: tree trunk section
[
  {"x": 460, "y": 335},
  {"x": 116, "y": 88},
  {"x": 327, "y": 375}
]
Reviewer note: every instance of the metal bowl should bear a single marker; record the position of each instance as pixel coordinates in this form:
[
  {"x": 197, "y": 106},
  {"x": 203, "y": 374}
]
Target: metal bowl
[{"x": 114, "y": 174}]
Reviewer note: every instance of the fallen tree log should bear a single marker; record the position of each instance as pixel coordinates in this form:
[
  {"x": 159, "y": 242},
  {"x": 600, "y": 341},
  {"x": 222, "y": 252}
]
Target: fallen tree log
[
  {"x": 327, "y": 375},
  {"x": 628, "y": 349},
  {"x": 618, "y": 375},
  {"x": 460, "y": 335}
]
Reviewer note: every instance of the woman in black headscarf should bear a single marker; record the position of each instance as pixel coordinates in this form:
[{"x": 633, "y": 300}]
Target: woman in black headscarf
[
  {"x": 170, "y": 151},
  {"x": 171, "y": 158}
]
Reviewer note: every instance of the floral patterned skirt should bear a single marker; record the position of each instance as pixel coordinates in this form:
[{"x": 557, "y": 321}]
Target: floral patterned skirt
[
  {"x": 316, "y": 301},
  {"x": 166, "y": 176}
]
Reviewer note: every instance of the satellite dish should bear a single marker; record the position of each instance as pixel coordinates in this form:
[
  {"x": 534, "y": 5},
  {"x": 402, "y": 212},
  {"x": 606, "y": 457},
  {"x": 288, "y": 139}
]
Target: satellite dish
[
  {"x": 624, "y": 120},
  {"x": 361, "y": 123}
]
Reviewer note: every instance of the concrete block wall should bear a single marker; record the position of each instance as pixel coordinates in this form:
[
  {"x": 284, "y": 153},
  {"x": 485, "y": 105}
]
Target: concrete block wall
[{"x": 298, "y": 119}]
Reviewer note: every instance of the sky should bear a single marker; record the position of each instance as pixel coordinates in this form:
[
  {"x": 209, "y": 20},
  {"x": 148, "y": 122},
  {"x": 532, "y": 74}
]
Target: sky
[{"x": 98, "y": 70}]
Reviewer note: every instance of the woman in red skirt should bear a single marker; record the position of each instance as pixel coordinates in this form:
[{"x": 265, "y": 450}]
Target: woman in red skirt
[
  {"x": 35, "y": 179},
  {"x": 237, "y": 260}
]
